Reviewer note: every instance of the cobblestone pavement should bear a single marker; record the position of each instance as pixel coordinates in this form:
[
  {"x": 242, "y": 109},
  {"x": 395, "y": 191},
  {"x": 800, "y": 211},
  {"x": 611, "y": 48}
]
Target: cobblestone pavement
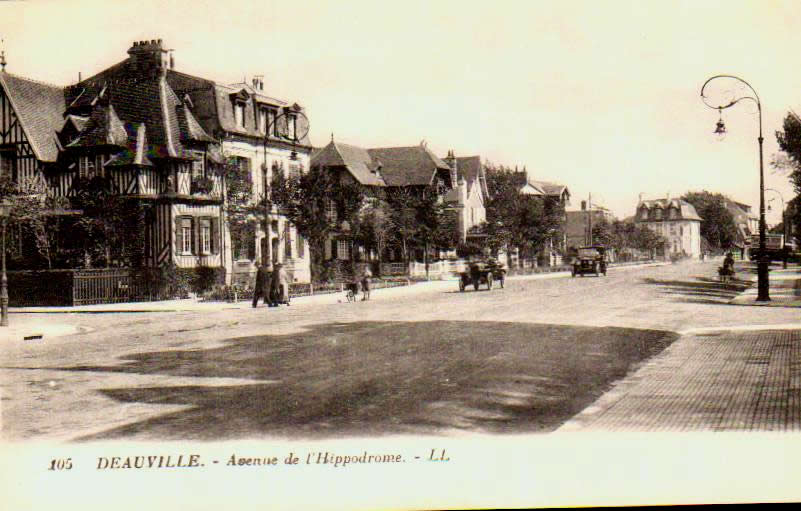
[
  {"x": 741, "y": 378},
  {"x": 714, "y": 377}
]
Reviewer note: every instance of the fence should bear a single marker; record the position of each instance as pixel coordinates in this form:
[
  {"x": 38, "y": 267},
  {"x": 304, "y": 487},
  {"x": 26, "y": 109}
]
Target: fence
[{"x": 77, "y": 287}]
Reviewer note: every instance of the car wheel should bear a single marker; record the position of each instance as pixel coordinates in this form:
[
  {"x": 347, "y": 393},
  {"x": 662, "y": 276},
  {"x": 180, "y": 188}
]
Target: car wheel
[
  {"x": 461, "y": 285},
  {"x": 501, "y": 281},
  {"x": 476, "y": 283},
  {"x": 489, "y": 281}
]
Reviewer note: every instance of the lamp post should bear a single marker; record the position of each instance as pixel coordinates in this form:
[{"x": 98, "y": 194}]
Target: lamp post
[
  {"x": 286, "y": 137},
  {"x": 5, "y": 211},
  {"x": 763, "y": 285},
  {"x": 784, "y": 225}
]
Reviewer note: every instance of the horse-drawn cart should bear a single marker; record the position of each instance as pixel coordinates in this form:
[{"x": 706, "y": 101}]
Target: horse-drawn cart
[{"x": 485, "y": 273}]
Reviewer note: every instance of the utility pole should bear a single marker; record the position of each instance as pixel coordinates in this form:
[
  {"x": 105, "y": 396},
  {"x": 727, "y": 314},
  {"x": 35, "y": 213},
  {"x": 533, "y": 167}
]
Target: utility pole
[{"x": 589, "y": 219}]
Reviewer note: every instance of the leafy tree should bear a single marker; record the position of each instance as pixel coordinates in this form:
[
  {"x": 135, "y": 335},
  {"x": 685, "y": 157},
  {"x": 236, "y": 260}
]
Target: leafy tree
[
  {"x": 304, "y": 198},
  {"x": 515, "y": 220},
  {"x": 111, "y": 227},
  {"x": 789, "y": 140},
  {"x": 717, "y": 223},
  {"x": 29, "y": 203}
]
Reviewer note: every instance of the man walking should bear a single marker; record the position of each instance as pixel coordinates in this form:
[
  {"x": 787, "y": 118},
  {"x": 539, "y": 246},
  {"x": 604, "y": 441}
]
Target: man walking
[{"x": 261, "y": 285}]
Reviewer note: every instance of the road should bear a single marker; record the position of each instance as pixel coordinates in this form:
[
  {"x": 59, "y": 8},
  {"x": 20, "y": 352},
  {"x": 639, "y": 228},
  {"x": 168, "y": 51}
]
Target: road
[{"x": 424, "y": 359}]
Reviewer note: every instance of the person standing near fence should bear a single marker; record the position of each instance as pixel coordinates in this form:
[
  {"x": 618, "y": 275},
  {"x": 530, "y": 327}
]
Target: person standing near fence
[
  {"x": 279, "y": 286},
  {"x": 260, "y": 287}
]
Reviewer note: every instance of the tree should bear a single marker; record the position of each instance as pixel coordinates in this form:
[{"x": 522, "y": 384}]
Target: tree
[
  {"x": 420, "y": 218},
  {"x": 304, "y": 199},
  {"x": 789, "y": 140},
  {"x": 717, "y": 222},
  {"x": 515, "y": 220},
  {"x": 241, "y": 206},
  {"x": 29, "y": 203}
]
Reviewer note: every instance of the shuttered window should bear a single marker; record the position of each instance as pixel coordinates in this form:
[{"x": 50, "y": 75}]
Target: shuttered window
[
  {"x": 205, "y": 236},
  {"x": 184, "y": 236}
]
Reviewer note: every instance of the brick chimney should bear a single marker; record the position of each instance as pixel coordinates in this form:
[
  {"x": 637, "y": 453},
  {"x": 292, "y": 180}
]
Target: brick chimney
[
  {"x": 149, "y": 56},
  {"x": 451, "y": 161}
]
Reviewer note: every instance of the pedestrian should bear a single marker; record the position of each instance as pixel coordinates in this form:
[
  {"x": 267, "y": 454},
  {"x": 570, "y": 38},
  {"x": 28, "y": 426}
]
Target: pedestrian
[
  {"x": 279, "y": 286},
  {"x": 260, "y": 286},
  {"x": 366, "y": 283}
]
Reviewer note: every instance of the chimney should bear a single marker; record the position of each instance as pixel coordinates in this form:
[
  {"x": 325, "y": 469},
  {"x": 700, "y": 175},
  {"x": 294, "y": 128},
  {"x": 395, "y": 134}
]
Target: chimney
[
  {"x": 584, "y": 205},
  {"x": 172, "y": 61},
  {"x": 149, "y": 56}
]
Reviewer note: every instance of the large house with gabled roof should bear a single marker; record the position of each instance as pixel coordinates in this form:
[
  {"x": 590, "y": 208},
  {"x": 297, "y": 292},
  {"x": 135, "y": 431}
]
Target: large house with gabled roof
[
  {"x": 460, "y": 182},
  {"x": 126, "y": 126},
  {"x": 161, "y": 137}
]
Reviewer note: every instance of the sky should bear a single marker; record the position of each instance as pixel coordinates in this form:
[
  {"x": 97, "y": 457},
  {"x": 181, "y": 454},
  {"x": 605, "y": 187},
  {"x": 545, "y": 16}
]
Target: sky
[{"x": 603, "y": 97}]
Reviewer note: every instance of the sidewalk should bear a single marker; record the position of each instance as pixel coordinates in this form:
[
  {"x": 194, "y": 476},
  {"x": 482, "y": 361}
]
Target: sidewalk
[
  {"x": 741, "y": 379},
  {"x": 785, "y": 287}
]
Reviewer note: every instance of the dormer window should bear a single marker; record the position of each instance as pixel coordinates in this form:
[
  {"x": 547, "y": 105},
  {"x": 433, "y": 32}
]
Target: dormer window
[
  {"x": 644, "y": 213},
  {"x": 263, "y": 120},
  {"x": 239, "y": 114},
  {"x": 658, "y": 213}
]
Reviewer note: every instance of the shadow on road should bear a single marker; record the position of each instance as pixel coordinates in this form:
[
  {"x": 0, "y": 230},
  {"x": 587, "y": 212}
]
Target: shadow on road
[
  {"x": 701, "y": 290},
  {"x": 374, "y": 378}
]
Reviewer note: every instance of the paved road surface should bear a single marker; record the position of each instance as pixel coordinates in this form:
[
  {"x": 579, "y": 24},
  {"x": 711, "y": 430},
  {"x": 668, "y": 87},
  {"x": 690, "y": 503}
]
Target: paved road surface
[{"x": 147, "y": 375}]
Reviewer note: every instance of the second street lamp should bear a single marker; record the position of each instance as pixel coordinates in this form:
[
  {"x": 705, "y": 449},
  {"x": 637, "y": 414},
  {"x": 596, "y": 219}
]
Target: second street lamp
[{"x": 763, "y": 285}]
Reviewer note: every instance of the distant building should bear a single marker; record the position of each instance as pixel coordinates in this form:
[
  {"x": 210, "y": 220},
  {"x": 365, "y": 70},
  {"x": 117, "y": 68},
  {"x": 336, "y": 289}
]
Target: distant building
[
  {"x": 553, "y": 195},
  {"x": 577, "y": 224},
  {"x": 746, "y": 221},
  {"x": 676, "y": 220}
]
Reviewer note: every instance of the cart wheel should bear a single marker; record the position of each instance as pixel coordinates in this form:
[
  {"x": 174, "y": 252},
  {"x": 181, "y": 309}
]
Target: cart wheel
[
  {"x": 461, "y": 285},
  {"x": 489, "y": 281}
]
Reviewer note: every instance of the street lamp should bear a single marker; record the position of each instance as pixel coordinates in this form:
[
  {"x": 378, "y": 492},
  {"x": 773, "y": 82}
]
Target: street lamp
[
  {"x": 293, "y": 138},
  {"x": 763, "y": 286},
  {"x": 784, "y": 225},
  {"x": 5, "y": 211}
]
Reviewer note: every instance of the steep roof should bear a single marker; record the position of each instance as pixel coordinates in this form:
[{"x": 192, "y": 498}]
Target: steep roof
[
  {"x": 39, "y": 107},
  {"x": 356, "y": 159},
  {"x": 214, "y": 105},
  {"x": 141, "y": 97},
  {"x": 548, "y": 188},
  {"x": 685, "y": 209},
  {"x": 407, "y": 166}
]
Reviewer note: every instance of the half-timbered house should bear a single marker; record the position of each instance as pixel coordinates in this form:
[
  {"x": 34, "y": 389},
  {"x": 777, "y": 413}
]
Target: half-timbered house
[{"x": 126, "y": 125}]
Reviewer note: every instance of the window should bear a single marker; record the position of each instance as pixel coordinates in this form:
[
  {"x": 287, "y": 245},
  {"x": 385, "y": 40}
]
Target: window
[
  {"x": 197, "y": 167},
  {"x": 243, "y": 164},
  {"x": 672, "y": 228},
  {"x": 301, "y": 247},
  {"x": 331, "y": 210},
  {"x": 287, "y": 241},
  {"x": 271, "y": 115},
  {"x": 7, "y": 162},
  {"x": 184, "y": 236},
  {"x": 239, "y": 114},
  {"x": 644, "y": 213},
  {"x": 343, "y": 249},
  {"x": 658, "y": 213},
  {"x": 262, "y": 120},
  {"x": 295, "y": 169},
  {"x": 205, "y": 235}
]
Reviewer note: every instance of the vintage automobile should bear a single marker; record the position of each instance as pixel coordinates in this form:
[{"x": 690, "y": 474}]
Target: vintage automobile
[
  {"x": 479, "y": 273},
  {"x": 590, "y": 260}
]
